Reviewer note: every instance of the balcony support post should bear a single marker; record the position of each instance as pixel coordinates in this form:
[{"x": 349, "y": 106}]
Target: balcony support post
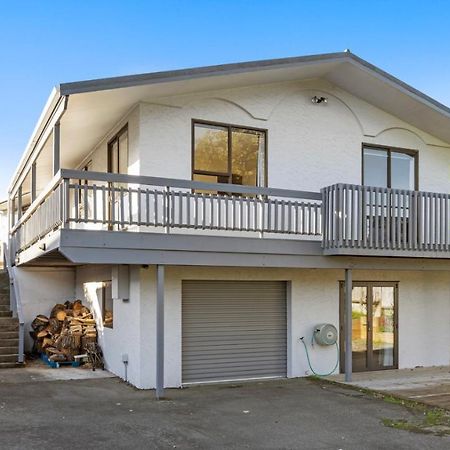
[
  {"x": 159, "y": 332},
  {"x": 348, "y": 324}
]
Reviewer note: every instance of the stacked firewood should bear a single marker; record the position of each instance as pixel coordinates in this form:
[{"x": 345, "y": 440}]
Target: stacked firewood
[{"x": 66, "y": 333}]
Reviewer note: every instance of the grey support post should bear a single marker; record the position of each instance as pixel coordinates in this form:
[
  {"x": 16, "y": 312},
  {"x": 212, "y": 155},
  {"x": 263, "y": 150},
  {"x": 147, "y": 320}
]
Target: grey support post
[
  {"x": 159, "y": 332},
  {"x": 348, "y": 324},
  {"x": 56, "y": 148}
]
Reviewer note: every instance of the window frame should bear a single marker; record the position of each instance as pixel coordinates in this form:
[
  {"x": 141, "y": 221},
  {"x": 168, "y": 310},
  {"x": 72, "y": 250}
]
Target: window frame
[
  {"x": 229, "y": 128},
  {"x": 104, "y": 286},
  {"x": 369, "y": 284},
  {"x": 110, "y": 143},
  {"x": 389, "y": 150}
]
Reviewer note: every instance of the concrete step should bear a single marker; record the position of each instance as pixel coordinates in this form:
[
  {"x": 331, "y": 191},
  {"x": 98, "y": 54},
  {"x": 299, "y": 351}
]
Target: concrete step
[
  {"x": 8, "y": 358},
  {"x": 11, "y": 365},
  {"x": 8, "y": 350},
  {"x": 9, "y": 341},
  {"x": 8, "y": 320},
  {"x": 5, "y": 314},
  {"x": 9, "y": 324},
  {"x": 4, "y": 308},
  {"x": 4, "y": 300},
  {"x": 9, "y": 334}
]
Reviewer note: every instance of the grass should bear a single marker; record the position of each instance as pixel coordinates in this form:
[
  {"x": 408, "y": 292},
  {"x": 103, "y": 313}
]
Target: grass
[{"x": 434, "y": 421}]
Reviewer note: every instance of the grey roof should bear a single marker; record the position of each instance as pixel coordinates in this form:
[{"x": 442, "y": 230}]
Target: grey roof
[{"x": 100, "y": 84}]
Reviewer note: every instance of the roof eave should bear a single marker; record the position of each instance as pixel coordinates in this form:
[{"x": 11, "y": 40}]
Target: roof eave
[{"x": 79, "y": 87}]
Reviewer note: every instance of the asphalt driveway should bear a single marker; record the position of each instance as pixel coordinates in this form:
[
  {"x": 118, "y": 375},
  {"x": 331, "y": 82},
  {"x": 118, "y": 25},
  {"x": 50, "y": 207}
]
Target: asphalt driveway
[{"x": 284, "y": 414}]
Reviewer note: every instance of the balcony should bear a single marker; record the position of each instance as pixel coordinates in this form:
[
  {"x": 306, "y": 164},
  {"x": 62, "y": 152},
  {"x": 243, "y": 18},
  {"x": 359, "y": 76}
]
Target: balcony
[
  {"x": 370, "y": 221},
  {"x": 342, "y": 219}
]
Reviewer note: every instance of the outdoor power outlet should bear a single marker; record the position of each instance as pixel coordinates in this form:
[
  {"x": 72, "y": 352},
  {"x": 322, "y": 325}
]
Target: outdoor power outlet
[{"x": 125, "y": 358}]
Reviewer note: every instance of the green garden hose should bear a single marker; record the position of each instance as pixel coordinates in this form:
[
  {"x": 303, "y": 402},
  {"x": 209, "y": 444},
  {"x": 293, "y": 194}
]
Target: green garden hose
[{"x": 309, "y": 361}]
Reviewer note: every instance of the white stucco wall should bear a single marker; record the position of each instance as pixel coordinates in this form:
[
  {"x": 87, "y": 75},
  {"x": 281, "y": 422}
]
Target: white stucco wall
[
  {"x": 40, "y": 289},
  {"x": 309, "y": 146},
  {"x": 125, "y": 336},
  {"x": 424, "y": 317},
  {"x": 98, "y": 156}
]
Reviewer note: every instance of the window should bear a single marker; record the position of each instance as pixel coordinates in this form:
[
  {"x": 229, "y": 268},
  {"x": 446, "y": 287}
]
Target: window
[
  {"x": 118, "y": 152},
  {"x": 390, "y": 167},
  {"x": 107, "y": 304},
  {"x": 228, "y": 154}
]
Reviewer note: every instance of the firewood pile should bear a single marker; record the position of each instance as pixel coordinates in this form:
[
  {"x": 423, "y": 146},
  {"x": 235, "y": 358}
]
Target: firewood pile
[{"x": 67, "y": 332}]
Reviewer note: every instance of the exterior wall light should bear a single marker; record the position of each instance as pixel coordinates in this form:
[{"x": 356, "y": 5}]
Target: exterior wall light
[{"x": 318, "y": 100}]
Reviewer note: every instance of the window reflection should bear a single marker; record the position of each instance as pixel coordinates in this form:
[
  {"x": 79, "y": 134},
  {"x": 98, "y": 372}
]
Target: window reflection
[
  {"x": 389, "y": 168},
  {"x": 226, "y": 154}
]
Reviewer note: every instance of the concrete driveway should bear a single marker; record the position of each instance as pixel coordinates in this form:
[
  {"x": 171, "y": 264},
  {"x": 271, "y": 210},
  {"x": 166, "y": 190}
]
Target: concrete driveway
[{"x": 284, "y": 414}]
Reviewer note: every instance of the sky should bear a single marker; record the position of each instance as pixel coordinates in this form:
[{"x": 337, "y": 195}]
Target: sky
[{"x": 47, "y": 42}]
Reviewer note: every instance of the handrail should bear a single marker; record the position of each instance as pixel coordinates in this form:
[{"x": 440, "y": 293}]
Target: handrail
[
  {"x": 384, "y": 189},
  {"x": 39, "y": 200},
  {"x": 157, "y": 181},
  {"x": 15, "y": 302},
  {"x": 187, "y": 184}
]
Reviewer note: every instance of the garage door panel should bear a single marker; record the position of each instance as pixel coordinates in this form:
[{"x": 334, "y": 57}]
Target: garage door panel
[
  {"x": 233, "y": 329},
  {"x": 231, "y": 347}
]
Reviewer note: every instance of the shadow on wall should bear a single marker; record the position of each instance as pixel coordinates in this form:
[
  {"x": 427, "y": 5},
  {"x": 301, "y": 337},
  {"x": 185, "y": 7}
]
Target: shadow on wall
[{"x": 93, "y": 292}]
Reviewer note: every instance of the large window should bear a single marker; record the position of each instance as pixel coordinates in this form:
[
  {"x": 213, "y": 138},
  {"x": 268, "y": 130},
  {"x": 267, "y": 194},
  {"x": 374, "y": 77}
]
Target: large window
[
  {"x": 228, "y": 154},
  {"x": 390, "y": 167}
]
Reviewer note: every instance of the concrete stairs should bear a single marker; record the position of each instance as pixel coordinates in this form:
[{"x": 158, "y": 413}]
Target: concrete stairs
[{"x": 9, "y": 327}]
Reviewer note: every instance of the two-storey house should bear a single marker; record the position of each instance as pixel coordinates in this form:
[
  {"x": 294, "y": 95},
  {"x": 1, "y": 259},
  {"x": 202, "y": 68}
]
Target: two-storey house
[{"x": 220, "y": 214}]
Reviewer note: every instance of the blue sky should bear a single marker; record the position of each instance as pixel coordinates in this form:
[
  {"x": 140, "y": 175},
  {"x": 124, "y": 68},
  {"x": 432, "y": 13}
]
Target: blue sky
[{"x": 43, "y": 43}]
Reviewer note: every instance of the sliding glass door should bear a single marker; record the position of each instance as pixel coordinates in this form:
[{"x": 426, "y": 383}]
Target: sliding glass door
[{"x": 374, "y": 326}]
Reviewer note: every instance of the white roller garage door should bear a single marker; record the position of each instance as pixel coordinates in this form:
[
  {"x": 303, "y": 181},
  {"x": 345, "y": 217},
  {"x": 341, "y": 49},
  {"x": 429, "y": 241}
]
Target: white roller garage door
[{"x": 233, "y": 330}]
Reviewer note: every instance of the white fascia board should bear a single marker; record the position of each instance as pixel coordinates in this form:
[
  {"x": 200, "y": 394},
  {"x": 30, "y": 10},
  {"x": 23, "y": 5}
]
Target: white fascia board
[{"x": 400, "y": 85}]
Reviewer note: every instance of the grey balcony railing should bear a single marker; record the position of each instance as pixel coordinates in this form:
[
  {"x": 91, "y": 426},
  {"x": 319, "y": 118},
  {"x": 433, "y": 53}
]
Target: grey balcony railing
[
  {"x": 370, "y": 218},
  {"x": 348, "y": 219},
  {"x": 95, "y": 200}
]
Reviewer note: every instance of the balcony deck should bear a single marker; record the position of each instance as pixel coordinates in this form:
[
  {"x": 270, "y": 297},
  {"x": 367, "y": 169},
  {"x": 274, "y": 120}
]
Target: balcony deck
[{"x": 81, "y": 213}]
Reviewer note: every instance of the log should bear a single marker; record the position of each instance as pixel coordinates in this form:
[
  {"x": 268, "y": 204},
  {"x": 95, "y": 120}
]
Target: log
[
  {"x": 54, "y": 325},
  {"x": 77, "y": 305},
  {"x": 61, "y": 315},
  {"x": 47, "y": 342},
  {"x": 43, "y": 333},
  {"x": 56, "y": 308}
]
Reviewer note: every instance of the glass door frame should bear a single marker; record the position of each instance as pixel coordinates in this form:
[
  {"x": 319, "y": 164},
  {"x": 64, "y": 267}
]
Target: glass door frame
[{"x": 370, "y": 363}]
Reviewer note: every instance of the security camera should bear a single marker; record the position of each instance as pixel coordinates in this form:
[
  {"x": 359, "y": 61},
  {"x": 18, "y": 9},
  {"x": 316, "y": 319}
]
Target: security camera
[{"x": 318, "y": 100}]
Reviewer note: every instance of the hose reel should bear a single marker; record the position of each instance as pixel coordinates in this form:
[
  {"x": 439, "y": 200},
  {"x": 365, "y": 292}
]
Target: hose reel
[{"x": 325, "y": 334}]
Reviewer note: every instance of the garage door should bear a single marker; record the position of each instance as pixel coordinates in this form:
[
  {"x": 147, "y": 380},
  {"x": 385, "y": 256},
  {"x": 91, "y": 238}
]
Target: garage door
[{"x": 233, "y": 329}]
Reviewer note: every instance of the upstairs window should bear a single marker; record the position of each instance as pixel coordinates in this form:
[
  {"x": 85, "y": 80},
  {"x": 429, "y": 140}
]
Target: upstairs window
[
  {"x": 118, "y": 152},
  {"x": 390, "y": 167},
  {"x": 228, "y": 154}
]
